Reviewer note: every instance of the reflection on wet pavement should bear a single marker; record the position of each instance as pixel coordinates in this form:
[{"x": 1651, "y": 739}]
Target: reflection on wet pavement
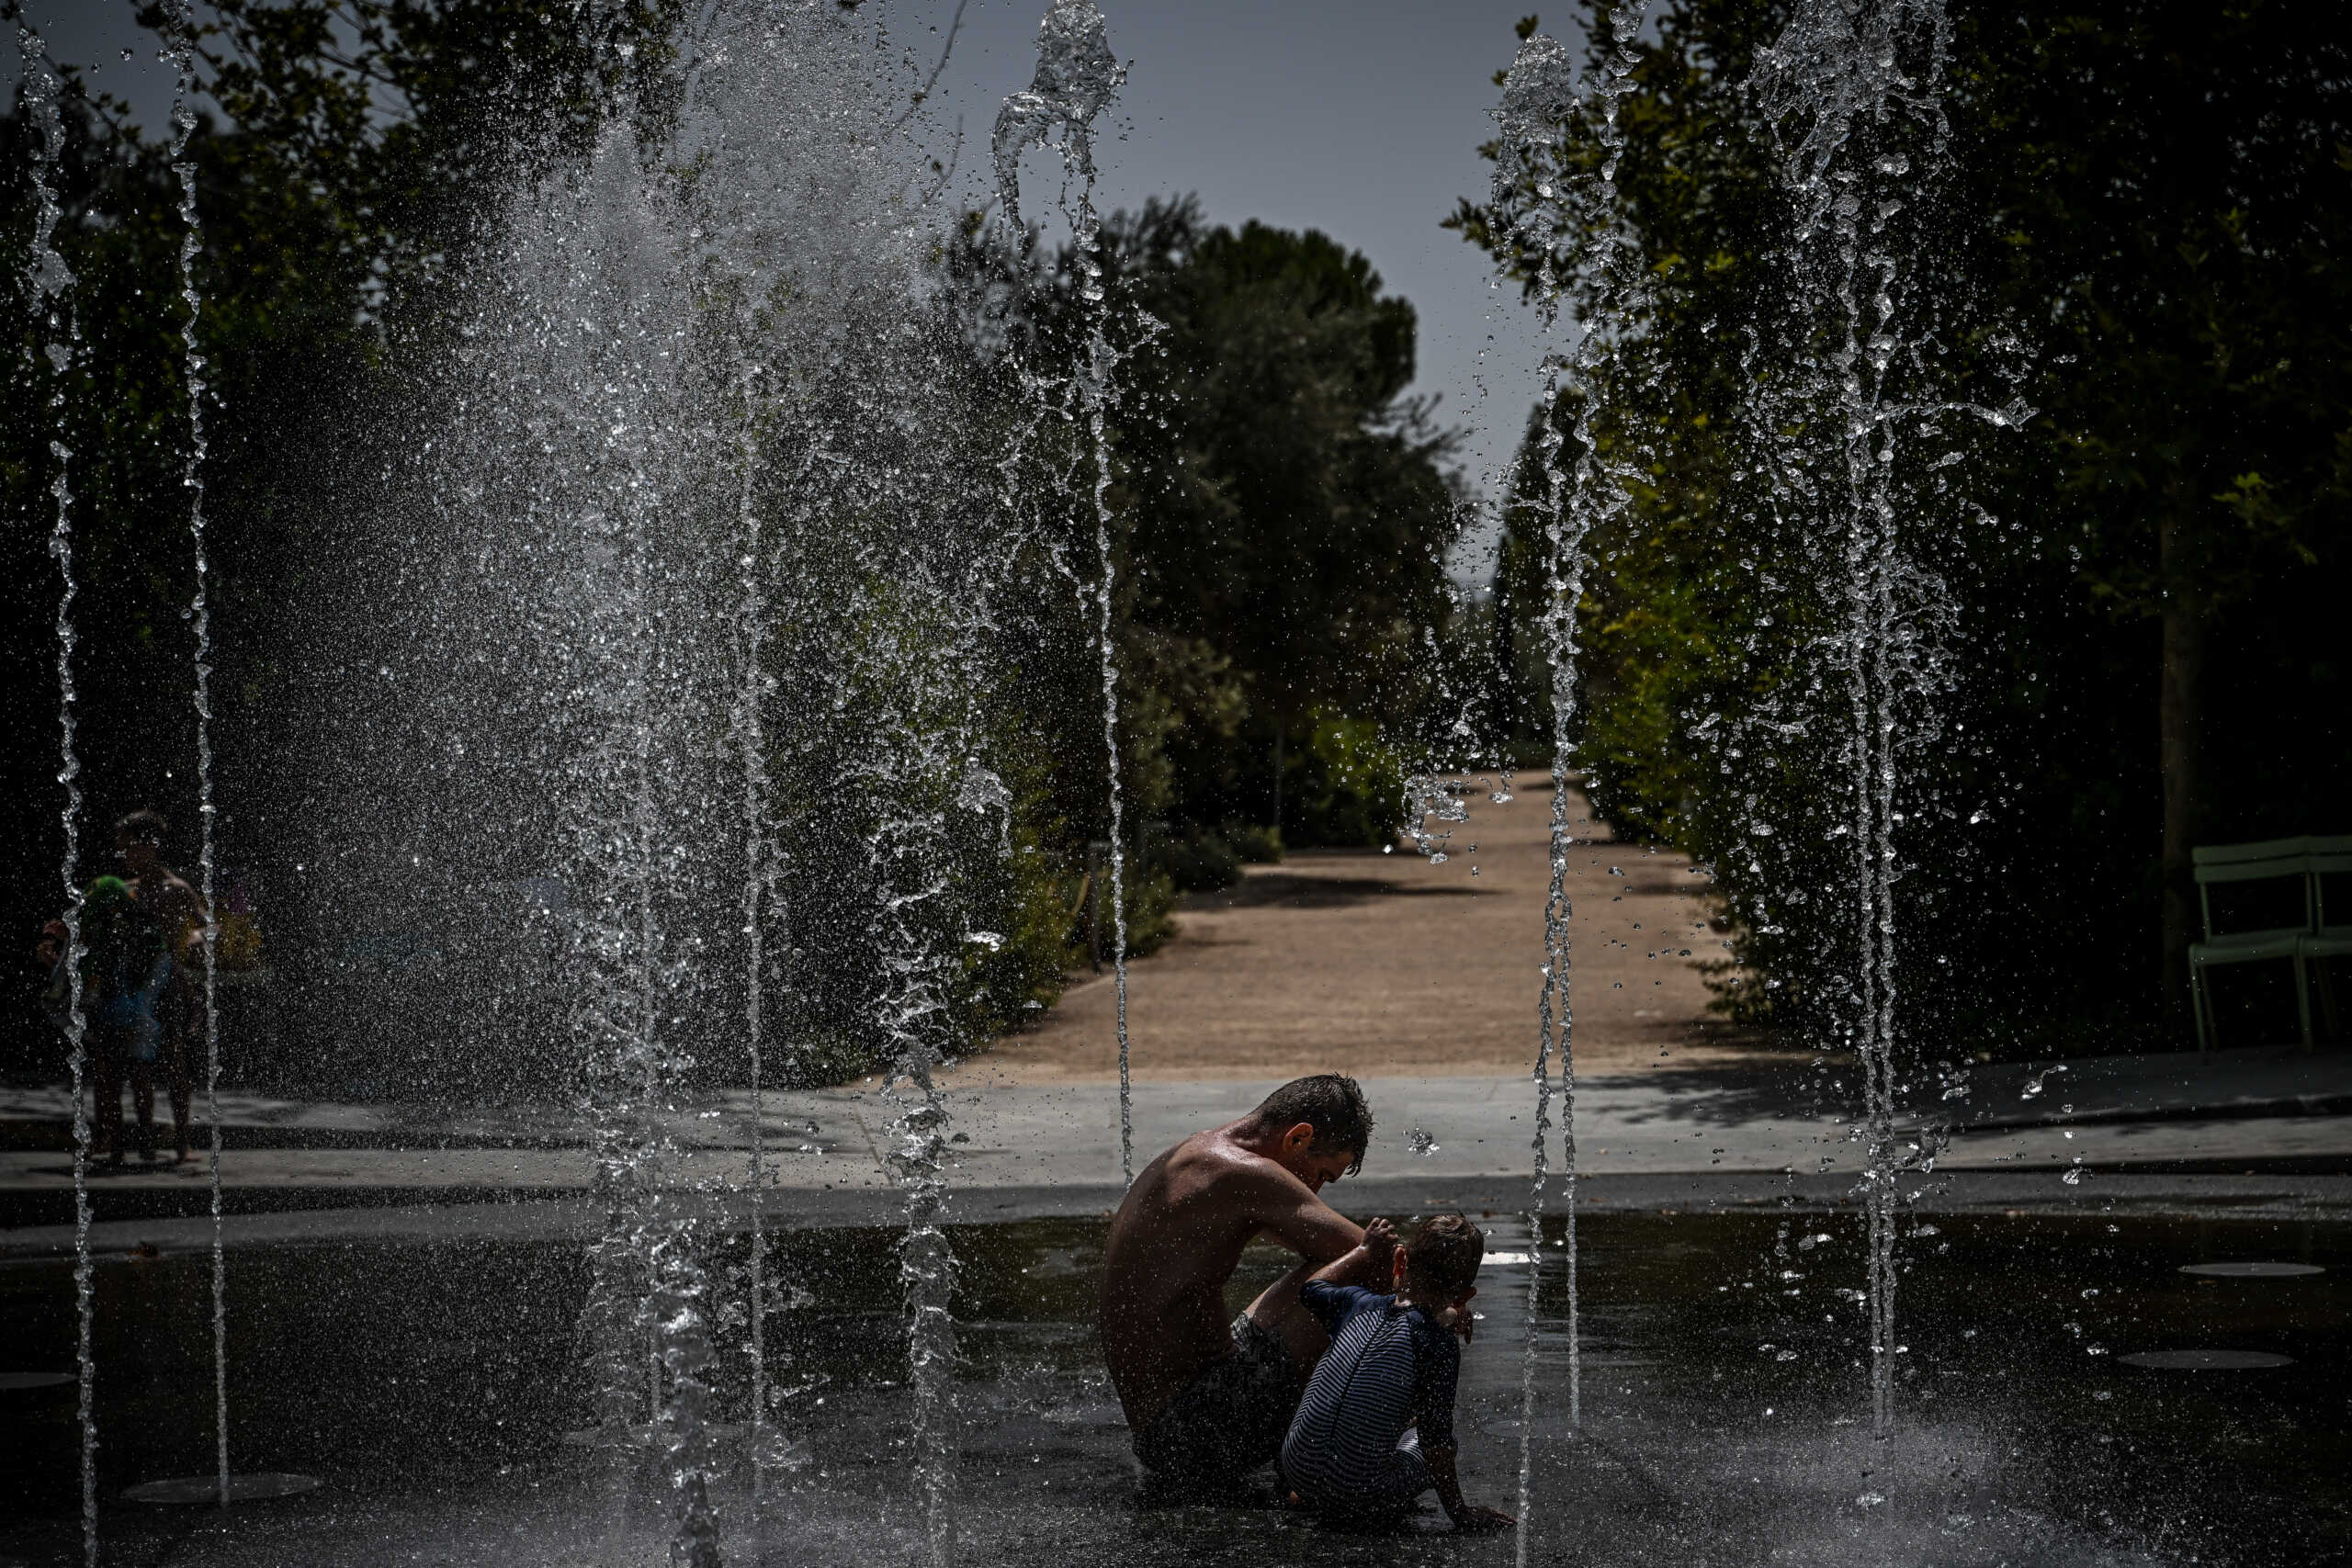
[{"x": 432, "y": 1385}]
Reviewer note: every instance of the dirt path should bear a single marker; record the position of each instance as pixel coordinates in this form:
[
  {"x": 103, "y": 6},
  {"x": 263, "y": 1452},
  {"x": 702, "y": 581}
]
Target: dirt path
[{"x": 1379, "y": 964}]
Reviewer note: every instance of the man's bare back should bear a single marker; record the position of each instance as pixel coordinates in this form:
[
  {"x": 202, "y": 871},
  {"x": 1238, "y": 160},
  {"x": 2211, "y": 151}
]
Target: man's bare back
[{"x": 1179, "y": 1236}]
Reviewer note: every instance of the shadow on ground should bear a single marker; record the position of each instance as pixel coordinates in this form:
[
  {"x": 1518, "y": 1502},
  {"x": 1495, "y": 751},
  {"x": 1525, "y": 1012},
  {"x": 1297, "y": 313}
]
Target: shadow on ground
[{"x": 1293, "y": 891}]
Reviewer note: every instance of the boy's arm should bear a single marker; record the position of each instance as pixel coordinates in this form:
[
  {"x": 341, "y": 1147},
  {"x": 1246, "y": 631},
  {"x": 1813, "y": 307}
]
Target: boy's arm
[
  {"x": 1368, "y": 1264},
  {"x": 1438, "y": 1364},
  {"x": 1449, "y": 1493}
]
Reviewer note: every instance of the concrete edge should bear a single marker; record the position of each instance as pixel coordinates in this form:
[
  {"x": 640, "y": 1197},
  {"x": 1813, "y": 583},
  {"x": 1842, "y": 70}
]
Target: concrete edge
[{"x": 2241, "y": 1193}]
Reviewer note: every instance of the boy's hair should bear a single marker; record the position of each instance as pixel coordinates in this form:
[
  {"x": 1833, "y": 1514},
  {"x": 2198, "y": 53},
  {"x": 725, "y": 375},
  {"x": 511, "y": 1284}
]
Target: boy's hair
[
  {"x": 144, "y": 825},
  {"x": 1327, "y": 1102},
  {"x": 1445, "y": 1254}
]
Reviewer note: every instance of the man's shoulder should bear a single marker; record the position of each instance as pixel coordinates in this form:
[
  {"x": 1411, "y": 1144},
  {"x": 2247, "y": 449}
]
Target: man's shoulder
[
  {"x": 1229, "y": 1167},
  {"x": 1213, "y": 1164}
]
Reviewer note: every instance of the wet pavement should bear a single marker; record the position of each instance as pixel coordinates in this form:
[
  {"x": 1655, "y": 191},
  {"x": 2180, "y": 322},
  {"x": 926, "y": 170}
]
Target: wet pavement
[
  {"x": 431, "y": 1383},
  {"x": 2235, "y": 1111},
  {"x": 405, "y": 1287}
]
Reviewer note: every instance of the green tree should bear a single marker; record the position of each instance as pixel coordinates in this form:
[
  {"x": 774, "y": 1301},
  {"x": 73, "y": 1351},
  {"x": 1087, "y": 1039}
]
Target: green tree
[
  {"x": 2139, "y": 225},
  {"x": 1287, "y": 508}
]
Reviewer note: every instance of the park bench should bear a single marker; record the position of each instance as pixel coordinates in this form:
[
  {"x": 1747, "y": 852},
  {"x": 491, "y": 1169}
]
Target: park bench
[{"x": 2307, "y": 861}]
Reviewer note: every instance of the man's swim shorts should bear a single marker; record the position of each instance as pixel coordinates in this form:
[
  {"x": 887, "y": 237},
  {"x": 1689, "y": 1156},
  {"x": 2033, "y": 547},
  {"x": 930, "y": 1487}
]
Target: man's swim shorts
[{"x": 1231, "y": 1418}]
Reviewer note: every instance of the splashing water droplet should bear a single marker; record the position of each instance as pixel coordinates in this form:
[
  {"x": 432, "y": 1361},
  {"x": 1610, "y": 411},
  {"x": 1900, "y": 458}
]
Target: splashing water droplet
[
  {"x": 2033, "y": 1085},
  {"x": 1077, "y": 76}
]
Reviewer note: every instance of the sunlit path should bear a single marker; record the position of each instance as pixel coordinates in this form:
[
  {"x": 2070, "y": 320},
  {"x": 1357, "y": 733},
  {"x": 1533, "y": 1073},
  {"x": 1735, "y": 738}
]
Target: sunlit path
[{"x": 1382, "y": 964}]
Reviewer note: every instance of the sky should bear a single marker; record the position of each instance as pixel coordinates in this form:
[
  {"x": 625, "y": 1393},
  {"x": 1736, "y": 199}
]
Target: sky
[{"x": 1358, "y": 118}]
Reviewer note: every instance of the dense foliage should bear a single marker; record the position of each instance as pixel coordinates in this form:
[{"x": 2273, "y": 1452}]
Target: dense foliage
[
  {"x": 1279, "y": 521},
  {"x": 2137, "y": 220},
  {"x": 364, "y": 140}
]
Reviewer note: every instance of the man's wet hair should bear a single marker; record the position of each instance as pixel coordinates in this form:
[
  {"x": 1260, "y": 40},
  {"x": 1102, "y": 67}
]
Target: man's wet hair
[
  {"x": 144, "y": 825},
  {"x": 1445, "y": 1254},
  {"x": 1327, "y": 1102}
]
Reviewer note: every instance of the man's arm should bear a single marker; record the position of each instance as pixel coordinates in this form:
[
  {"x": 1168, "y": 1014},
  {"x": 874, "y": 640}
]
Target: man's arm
[
  {"x": 180, "y": 912},
  {"x": 1289, "y": 1209}
]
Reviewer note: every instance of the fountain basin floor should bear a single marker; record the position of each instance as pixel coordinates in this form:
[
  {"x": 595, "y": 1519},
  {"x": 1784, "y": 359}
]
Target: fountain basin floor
[{"x": 430, "y": 1384}]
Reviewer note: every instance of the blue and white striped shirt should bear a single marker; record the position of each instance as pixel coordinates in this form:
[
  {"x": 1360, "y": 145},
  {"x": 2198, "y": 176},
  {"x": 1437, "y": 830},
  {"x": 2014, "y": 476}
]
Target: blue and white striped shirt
[{"x": 1389, "y": 1367}]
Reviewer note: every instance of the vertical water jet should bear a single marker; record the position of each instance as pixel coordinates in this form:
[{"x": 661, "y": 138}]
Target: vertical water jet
[
  {"x": 1539, "y": 96},
  {"x": 52, "y": 282},
  {"x": 1098, "y": 364},
  {"x": 574, "y": 427},
  {"x": 1555, "y": 206},
  {"x": 751, "y": 738},
  {"x": 918, "y": 764},
  {"x": 1850, "y": 85},
  {"x": 1076, "y": 77},
  {"x": 181, "y": 52}
]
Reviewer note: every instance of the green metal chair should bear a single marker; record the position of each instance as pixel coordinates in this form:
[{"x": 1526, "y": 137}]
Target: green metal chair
[
  {"x": 2325, "y": 857},
  {"x": 2274, "y": 858}
]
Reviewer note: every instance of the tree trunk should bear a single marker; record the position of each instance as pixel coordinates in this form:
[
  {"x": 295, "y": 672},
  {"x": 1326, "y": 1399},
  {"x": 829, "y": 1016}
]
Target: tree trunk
[
  {"x": 2177, "y": 712},
  {"x": 1504, "y": 714},
  {"x": 1278, "y": 781}
]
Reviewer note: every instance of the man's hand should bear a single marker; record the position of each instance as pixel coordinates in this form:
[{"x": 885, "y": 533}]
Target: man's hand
[{"x": 1479, "y": 1521}]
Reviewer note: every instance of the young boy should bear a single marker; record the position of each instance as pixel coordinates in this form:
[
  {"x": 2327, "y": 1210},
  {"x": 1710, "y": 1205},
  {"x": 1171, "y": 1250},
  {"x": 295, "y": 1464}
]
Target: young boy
[{"x": 1375, "y": 1429}]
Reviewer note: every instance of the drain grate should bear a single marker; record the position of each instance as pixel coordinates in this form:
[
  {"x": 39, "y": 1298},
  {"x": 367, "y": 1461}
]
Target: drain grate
[
  {"x": 34, "y": 1380},
  {"x": 206, "y": 1488},
  {"x": 2205, "y": 1360},
  {"x": 2254, "y": 1270}
]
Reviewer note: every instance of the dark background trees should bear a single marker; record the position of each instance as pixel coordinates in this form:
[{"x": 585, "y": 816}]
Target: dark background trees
[
  {"x": 1281, "y": 515},
  {"x": 362, "y": 142},
  {"x": 1280, "y": 511},
  {"x": 2142, "y": 225},
  {"x": 1288, "y": 513}
]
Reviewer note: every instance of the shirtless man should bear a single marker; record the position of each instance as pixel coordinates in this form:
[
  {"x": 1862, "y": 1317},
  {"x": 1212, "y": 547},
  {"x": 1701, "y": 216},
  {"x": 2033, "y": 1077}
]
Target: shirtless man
[{"x": 1208, "y": 1401}]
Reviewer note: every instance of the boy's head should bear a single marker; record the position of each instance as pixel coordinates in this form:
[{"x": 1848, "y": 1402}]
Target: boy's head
[
  {"x": 1440, "y": 1263},
  {"x": 1319, "y": 1126},
  {"x": 139, "y": 839}
]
